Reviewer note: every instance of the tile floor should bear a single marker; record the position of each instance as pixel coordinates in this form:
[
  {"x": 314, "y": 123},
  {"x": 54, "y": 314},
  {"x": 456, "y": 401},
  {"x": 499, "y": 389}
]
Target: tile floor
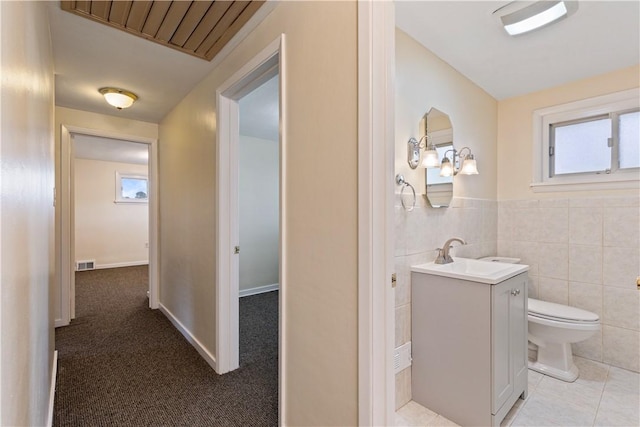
[{"x": 603, "y": 395}]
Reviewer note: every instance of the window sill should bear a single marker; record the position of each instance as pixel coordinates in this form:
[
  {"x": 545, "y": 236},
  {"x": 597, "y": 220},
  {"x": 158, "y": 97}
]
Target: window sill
[
  {"x": 565, "y": 185},
  {"x": 130, "y": 202}
]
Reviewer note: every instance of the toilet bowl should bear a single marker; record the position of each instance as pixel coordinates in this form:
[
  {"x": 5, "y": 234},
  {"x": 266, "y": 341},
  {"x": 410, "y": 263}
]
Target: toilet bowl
[{"x": 553, "y": 327}]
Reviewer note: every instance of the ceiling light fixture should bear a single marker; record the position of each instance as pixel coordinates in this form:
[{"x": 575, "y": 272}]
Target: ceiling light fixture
[
  {"x": 520, "y": 17},
  {"x": 119, "y": 98}
]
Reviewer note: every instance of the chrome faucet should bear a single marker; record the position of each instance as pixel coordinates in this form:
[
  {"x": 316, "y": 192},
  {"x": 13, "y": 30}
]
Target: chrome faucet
[{"x": 443, "y": 253}]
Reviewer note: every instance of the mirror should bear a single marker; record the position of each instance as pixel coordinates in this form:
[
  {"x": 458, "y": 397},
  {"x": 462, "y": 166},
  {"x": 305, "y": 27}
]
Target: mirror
[{"x": 437, "y": 126}]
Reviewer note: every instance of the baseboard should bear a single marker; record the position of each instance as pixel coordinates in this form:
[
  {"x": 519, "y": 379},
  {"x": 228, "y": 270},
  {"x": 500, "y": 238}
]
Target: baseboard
[
  {"x": 59, "y": 322},
  {"x": 208, "y": 357},
  {"x": 52, "y": 391},
  {"x": 259, "y": 290},
  {"x": 121, "y": 264}
]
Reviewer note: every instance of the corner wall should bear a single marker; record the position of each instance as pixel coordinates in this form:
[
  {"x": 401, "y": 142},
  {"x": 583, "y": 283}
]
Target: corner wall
[
  {"x": 319, "y": 163},
  {"x": 26, "y": 215},
  {"x": 425, "y": 81}
]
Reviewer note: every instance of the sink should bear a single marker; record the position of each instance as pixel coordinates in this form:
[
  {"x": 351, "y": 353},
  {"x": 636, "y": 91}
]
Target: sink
[{"x": 473, "y": 270}]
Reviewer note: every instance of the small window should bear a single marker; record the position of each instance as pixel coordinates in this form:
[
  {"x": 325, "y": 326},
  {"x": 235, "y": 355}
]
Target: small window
[
  {"x": 628, "y": 137},
  {"x": 131, "y": 188},
  {"x": 593, "y": 141}
]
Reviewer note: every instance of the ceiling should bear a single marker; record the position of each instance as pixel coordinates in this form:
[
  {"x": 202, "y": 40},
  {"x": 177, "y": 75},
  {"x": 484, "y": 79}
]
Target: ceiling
[
  {"x": 199, "y": 28},
  {"x": 601, "y": 36},
  {"x": 89, "y": 55}
]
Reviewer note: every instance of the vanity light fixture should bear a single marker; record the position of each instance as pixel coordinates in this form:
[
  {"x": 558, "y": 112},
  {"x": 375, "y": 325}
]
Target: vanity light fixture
[
  {"x": 118, "y": 98},
  {"x": 429, "y": 155},
  {"x": 468, "y": 167},
  {"x": 520, "y": 17}
]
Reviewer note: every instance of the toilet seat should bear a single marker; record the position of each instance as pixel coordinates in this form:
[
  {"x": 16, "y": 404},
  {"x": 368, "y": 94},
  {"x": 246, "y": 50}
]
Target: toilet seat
[
  {"x": 560, "y": 313},
  {"x": 564, "y": 323}
]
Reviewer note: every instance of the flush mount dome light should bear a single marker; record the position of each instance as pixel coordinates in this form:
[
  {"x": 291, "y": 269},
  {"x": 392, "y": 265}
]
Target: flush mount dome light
[
  {"x": 520, "y": 17},
  {"x": 119, "y": 98}
]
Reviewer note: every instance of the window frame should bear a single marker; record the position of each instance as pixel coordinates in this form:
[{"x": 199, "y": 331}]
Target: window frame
[
  {"x": 606, "y": 105},
  {"x": 118, "y": 190}
]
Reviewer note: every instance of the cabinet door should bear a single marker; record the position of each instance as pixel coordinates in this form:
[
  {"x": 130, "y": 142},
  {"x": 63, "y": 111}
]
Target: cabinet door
[{"x": 501, "y": 337}]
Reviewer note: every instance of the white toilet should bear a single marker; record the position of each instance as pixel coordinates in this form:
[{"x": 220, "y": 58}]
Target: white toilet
[{"x": 553, "y": 327}]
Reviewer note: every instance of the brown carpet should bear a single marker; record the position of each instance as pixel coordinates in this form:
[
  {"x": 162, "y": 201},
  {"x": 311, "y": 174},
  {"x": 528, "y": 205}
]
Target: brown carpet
[{"x": 123, "y": 364}]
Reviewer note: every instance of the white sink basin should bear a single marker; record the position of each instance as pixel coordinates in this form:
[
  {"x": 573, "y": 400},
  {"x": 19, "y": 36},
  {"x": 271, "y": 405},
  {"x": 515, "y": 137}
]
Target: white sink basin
[{"x": 473, "y": 270}]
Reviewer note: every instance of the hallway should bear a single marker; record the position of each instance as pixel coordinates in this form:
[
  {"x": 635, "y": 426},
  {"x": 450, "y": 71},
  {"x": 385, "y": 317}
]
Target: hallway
[{"x": 121, "y": 363}]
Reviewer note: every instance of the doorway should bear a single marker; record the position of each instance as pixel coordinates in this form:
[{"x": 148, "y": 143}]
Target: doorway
[
  {"x": 258, "y": 224},
  {"x": 68, "y": 260},
  {"x": 251, "y": 90}
]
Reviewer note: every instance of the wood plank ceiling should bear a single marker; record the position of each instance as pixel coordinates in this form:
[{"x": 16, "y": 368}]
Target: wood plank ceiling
[{"x": 200, "y": 28}]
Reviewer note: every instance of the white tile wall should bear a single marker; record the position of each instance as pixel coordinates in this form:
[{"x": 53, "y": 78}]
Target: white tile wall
[
  {"x": 418, "y": 234},
  {"x": 583, "y": 252}
]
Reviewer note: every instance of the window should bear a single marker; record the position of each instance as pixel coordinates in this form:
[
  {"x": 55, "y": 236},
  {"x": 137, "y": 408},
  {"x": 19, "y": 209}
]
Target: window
[
  {"x": 131, "y": 188},
  {"x": 588, "y": 144}
]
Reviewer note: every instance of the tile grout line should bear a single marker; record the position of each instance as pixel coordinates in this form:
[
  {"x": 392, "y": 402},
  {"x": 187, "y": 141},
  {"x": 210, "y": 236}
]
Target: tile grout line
[{"x": 606, "y": 380}]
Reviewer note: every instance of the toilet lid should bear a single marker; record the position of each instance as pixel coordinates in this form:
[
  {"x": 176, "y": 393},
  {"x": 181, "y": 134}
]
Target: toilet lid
[{"x": 551, "y": 310}]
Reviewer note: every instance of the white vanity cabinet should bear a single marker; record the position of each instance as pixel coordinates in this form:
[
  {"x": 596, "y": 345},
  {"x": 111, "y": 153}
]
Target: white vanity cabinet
[{"x": 469, "y": 346}]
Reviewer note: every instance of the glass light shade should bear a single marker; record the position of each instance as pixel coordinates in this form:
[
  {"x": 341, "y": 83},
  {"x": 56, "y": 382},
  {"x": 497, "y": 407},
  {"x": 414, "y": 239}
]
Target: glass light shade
[
  {"x": 118, "y": 98},
  {"x": 430, "y": 158},
  {"x": 446, "y": 168},
  {"x": 469, "y": 166},
  {"x": 537, "y": 18}
]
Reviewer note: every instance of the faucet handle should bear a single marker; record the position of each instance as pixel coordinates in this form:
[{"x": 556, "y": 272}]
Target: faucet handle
[{"x": 440, "y": 259}]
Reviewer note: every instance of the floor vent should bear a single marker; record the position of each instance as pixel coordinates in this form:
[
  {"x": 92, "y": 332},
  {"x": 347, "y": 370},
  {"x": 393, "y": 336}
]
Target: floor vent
[
  {"x": 402, "y": 357},
  {"x": 86, "y": 265}
]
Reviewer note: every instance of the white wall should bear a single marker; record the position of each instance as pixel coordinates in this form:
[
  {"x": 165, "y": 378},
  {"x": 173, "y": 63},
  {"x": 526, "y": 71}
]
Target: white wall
[
  {"x": 95, "y": 121},
  {"x": 113, "y": 234},
  {"x": 424, "y": 81},
  {"x": 319, "y": 280},
  {"x": 26, "y": 220},
  {"x": 259, "y": 221}
]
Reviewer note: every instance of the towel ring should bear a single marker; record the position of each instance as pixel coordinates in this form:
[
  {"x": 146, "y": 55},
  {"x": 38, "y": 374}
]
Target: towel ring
[{"x": 400, "y": 181}]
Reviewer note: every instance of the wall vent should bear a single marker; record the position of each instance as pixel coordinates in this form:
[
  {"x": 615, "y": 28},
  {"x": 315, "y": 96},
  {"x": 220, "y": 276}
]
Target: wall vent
[
  {"x": 89, "y": 264},
  {"x": 402, "y": 357}
]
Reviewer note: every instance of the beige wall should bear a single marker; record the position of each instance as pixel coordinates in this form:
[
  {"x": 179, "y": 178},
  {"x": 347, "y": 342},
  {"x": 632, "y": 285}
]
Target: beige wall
[
  {"x": 320, "y": 249},
  {"x": 113, "y": 234},
  {"x": 259, "y": 220},
  {"x": 95, "y": 121},
  {"x": 424, "y": 81},
  {"x": 582, "y": 246},
  {"x": 27, "y": 180},
  {"x": 515, "y": 122}
]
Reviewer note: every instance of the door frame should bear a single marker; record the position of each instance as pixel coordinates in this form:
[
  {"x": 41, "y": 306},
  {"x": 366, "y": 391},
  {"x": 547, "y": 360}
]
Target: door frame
[
  {"x": 67, "y": 226},
  {"x": 376, "y": 129},
  {"x": 376, "y": 314},
  {"x": 266, "y": 64}
]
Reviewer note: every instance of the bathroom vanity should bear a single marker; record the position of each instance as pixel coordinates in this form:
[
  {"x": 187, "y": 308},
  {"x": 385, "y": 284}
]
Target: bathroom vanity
[{"x": 469, "y": 339}]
